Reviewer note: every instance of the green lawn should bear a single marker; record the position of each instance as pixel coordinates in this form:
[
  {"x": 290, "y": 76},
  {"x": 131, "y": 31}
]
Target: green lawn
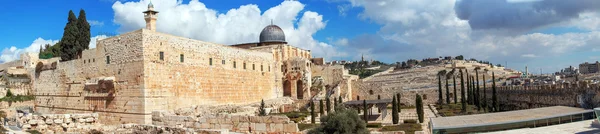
[
  {"x": 455, "y": 109},
  {"x": 408, "y": 128},
  {"x": 294, "y": 116},
  {"x": 302, "y": 126}
]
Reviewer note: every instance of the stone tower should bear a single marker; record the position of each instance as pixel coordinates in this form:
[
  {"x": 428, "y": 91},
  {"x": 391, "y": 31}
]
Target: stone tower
[{"x": 150, "y": 17}]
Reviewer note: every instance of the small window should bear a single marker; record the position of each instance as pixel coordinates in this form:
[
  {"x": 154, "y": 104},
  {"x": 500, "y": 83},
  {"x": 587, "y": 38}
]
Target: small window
[
  {"x": 162, "y": 56},
  {"x": 253, "y": 67},
  {"x": 244, "y": 65},
  {"x": 223, "y": 62},
  {"x": 94, "y": 59},
  {"x": 261, "y": 68},
  {"x": 210, "y": 61},
  {"x": 83, "y": 62},
  {"x": 107, "y": 59},
  {"x": 233, "y": 64},
  {"x": 181, "y": 58},
  {"x": 269, "y": 68}
]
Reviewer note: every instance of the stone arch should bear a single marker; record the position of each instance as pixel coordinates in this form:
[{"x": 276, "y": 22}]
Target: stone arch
[
  {"x": 287, "y": 88},
  {"x": 299, "y": 91}
]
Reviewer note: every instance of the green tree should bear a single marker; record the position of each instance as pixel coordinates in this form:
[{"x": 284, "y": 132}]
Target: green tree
[
  {"x": 399, "y": 106},
  {"x": 328, "y": 104},
  {"x": 342, "y": 121},
  {"x": 485, "y": 105},
  {"x": 313, "y": 115},
  {"x": 494, "y": 95},
  {"x": 394, "y": 111},
  {"x": 439, "y": 75},
  {"x": 455, "y": 92},
  {"x": 365, "y": 112},
  {"x": 478, "y": 91},
  {"x": 84, "y": 32},
  {"x": 321, "y": 110},
  {"x": 447, "y": 76},
  {"x": 460, "y": 57},
  {"x": 69, "y": 40},
  {"x": 462, "y": 92},
  {"x": 419, "y": 105},
  {"x": 261, "y": 110}
]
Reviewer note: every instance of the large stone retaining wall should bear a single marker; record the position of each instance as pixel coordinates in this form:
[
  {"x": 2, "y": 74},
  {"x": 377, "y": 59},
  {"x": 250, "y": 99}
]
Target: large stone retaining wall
[
  {"x": 521, "y": 97},
  {"x": 233, "y": 123}
]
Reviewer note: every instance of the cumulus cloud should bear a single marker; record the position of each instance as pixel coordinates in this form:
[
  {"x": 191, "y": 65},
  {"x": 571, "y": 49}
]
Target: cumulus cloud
[
  {"x": 239, "y": 25},
  {"x": 95, "y": 38},
  {"x": 14, "y": 53},
  {"x": 520, "y": 15},
  {"x": 431, "y": 28}
]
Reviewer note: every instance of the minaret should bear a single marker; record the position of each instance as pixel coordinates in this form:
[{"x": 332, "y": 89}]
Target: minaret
[{"x": 150, "y": 17}]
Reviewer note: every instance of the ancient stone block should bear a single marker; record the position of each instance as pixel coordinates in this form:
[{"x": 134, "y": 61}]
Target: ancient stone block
[
  {"x": 58, "y": 121},
  {"x": 290, "y": 127},
  {"x": 276, "y": 127},
  {"x": 260, "y": 127}
]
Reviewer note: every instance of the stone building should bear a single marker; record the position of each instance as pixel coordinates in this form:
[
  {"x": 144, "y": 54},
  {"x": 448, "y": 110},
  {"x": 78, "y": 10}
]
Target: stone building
[
  {"x": 127, "y": 77},
  {"x": 587, "y": 68}
]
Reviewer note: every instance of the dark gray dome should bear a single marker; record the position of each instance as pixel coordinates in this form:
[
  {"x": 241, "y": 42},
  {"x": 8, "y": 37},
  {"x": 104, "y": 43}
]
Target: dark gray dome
[{"x": 272, "y": 33}]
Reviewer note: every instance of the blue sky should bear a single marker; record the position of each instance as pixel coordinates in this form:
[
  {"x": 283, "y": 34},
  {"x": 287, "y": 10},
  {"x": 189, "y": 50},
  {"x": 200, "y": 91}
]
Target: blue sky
[{"x": 389, "y": 30}]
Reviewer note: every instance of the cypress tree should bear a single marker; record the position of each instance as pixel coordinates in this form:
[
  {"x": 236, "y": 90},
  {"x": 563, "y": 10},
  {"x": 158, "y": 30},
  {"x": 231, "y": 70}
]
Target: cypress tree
[
  {"x": 484, "y": 94},
  {"x": 366, "y": 112},
  {"x": 462, "y": 92},
  {"x": 399, "y": 98},
  {"x": 447, "y": 91},
  {"x": 312, "y": 112},
  {"x": 478, "y": 91},
  {"x": 321, "y": 110},
  {"x": 394, "y": 111},
  {"x": 69, "y": 40},
  {"x": 328, "y": 104},
  {"x": 468, "y": 88},
  {"x": 440, "y": 88},
  {"x": 494, "y": 95},
  {"x": 261, "y": 110},
  {"x": 455, "y": 92},
  {"x": 419, "y": 104},
  {"x": 84, "y": 32}
]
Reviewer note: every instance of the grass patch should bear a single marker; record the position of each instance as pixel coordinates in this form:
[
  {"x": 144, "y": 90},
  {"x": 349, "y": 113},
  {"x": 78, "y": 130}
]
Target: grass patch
[
  {"x": 410, "y": 121},
  {"x": 295, "y": 115},
  {"x": 455, "y": 109},
  {"x": 407, "y": 128},
  {"x": 373, "y": 125},
  {"x": 303, "y": 126}
]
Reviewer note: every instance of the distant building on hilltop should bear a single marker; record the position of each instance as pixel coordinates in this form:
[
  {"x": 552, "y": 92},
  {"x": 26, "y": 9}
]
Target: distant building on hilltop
[{"x": 587, "y": 68}]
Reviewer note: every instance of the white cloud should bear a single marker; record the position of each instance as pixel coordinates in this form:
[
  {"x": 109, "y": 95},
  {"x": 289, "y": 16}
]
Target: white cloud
[
  {"x": 97, "y": 37},
  {"x": 341, "y": 42},
  {"x": 96, "y": 23},
  {"x": 238, "y": 25},
  {"x": 429, "y": 28},
  {"x": 529, "y": 56},
  {"x": 14, "y": 53}
]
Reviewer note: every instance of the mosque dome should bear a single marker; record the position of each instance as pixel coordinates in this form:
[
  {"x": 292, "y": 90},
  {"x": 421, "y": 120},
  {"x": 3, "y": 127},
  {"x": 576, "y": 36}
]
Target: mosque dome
[{"x": 272, "y": 33}]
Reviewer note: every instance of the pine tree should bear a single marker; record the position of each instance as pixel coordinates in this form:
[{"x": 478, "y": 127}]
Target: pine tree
[
  {"x": 494, "y": 95},
  {"x": 84, "y": 32},
  {"x": 328, "y": 104},
  {"x": 321, "y": 110},
  {"x": 261, "y": 110},
  {"x": 394, "y": 111},
  {"x": 419, "y": 104},
  {"x": 312, "y": 112},
  {"x": 365, "y": 113},
  {"x": 462, "y": 92},
  {"x": 455, "y": 92},
  {"x": 69, "y": 42}
]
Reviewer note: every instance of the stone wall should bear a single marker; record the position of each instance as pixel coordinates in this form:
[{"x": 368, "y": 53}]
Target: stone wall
[
  {"x": 233, "y": 123},
  {"x": 58, "y": 122},
  {"x": 526, "y": 97},
  {"x": 193, "y": 72}
]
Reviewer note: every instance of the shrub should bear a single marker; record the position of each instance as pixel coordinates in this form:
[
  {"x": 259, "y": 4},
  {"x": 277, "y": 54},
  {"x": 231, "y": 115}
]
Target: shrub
[
  {"x": 261, "y": 110},
  {"x": 410, "y": 121},
  {"x": 373, "y": 125},
  {"x": 342, "y": 121}
]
